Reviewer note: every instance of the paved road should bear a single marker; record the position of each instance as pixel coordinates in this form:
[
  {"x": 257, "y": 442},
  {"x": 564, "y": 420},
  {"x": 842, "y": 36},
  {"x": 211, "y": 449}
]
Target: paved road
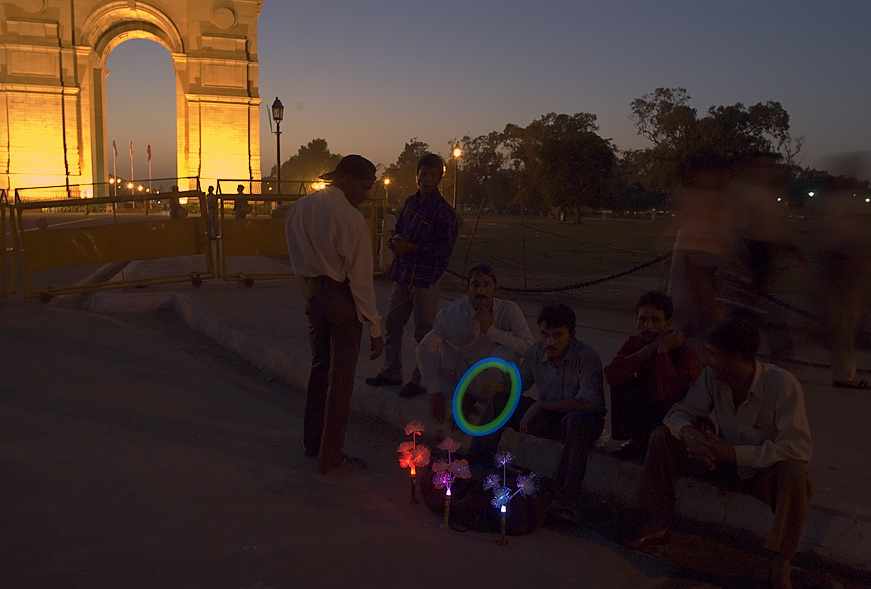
[{"x": 137, "y": 453}]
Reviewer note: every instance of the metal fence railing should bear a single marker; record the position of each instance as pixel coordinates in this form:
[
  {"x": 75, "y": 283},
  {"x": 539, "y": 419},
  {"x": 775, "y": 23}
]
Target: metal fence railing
[
  {"x": 7, "y": 272},
  {"x": 166, "y": 221},
  {"x": 249, "y": 227},
  {"x": 52, "y": 231}
]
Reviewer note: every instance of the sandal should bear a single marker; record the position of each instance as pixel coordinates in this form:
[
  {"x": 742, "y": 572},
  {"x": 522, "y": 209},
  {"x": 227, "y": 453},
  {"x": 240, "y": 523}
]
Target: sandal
[
  {"x": 862, "y": 385},
  {"x": 569, "y": 514},
  {"x": 564, "y": 511},
  {"x": 348, "y": 464}
]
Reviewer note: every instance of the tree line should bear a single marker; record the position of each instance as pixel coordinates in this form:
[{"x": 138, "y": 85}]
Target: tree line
[{"x": 561, "y": 162}]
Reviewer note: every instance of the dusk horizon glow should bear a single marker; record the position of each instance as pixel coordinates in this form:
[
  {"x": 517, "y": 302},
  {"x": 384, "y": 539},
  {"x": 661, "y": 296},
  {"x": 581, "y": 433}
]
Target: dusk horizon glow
[{"x": 368, "y": 78}]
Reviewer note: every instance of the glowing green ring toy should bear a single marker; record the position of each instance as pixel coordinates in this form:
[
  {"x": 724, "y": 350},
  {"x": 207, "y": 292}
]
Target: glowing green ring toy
[{"x": 477, "y": 368}]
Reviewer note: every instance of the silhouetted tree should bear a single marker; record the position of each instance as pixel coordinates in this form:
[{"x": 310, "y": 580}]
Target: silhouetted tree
[
  {"x": 733, "y": 132},
  {"x": 312, "y": 160}
]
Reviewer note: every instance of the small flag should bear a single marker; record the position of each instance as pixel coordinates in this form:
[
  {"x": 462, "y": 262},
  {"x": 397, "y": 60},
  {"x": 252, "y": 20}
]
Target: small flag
[
  {"x": 149, "y": 150},
  {"x": 115, "y": 147}
]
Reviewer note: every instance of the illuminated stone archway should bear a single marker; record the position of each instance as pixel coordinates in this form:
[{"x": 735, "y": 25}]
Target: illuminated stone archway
[{"x": 53, "y": 94}]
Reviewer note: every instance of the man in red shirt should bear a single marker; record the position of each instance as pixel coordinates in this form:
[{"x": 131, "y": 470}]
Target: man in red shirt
[{"x": 652, "y": 371}]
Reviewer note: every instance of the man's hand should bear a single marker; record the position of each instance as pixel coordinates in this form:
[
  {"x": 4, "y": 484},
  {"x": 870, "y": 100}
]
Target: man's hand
[
  {"x": 377, "y": 346},
  {"x": 696, "y": 447},
  {"x": 722, "y": 450},
  {"x": 528, "y": 417},
  {"x": 399, "y": 244},
  {"x": 670, "y": 340},
  {"x": 438, "y": 407}
]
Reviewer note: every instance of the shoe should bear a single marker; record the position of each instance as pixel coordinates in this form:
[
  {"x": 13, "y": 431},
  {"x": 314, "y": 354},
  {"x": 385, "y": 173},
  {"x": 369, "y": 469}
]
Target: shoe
[
  {"x": 348, "y": 464},
  {"x": 568, "y": 513},
  {"x": 627, "y": 451},
  {"x": 862, "y": 385},
  {"x": 380, "y": 380},
  {"x": 411, "y": 389},
  {"x": 654, "y": 531}
]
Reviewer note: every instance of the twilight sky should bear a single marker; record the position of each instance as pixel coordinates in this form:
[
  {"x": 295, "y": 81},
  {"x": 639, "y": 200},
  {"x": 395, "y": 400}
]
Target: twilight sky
[{"x": 369, "y": 76}]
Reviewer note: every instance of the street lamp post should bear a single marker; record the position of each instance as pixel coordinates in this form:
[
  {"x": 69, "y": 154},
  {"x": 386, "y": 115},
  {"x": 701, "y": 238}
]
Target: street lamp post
[
  {"x": 386, "y": 195},
  {"x": 278, "y": 116},
  {"x": 457, "y": 153}
]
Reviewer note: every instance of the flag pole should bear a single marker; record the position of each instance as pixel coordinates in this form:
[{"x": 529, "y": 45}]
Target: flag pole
[
  {"x": 114, "y": 168},
  {"x": 149, "y": 171},
  {"x": 149, "y": 165},
  {"x": 132, "y": 183}
]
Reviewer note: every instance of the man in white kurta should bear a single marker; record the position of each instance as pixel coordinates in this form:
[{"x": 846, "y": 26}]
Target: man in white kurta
[{"x": 470, "y": 329}]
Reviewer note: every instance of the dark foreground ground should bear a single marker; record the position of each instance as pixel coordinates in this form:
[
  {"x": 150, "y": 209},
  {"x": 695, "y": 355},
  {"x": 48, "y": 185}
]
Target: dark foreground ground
[{"x": 137, "y": 453}]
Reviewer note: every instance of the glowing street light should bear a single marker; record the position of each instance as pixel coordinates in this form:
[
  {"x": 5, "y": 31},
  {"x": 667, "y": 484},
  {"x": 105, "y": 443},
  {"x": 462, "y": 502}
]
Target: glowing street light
[
  {"x": 387, "y": 193},
  {"x": 278, "y": 116},
  {"x": 457, "y": 153}
]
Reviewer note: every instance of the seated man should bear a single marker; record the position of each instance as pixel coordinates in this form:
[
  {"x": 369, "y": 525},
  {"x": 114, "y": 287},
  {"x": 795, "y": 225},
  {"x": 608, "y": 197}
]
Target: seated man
[
  {"x": 760, "y": 444},
  {"x": 570, "y": 406},
  {"x": 651, "y": 371},
  {"x": 468, "y": 330}
]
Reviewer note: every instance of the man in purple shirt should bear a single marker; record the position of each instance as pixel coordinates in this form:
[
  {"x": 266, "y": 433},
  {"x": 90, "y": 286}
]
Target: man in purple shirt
[{"x": 422, "y": 243}]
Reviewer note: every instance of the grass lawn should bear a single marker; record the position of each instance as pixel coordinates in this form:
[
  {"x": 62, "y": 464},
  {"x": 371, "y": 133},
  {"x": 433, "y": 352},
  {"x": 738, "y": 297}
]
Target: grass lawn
[{"x": 536, "y": 252}]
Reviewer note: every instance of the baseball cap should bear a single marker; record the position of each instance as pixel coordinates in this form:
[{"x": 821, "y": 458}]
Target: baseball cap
[{"x": 355, "y": 166}]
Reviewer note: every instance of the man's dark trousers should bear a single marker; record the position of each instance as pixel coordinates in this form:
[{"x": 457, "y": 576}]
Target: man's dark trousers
[
  {"x": 577, "y": 430},
  {"x": 633, "y": 416},
  {"x": 334, "y": 334},
  {"x": 784, "y": 486}
]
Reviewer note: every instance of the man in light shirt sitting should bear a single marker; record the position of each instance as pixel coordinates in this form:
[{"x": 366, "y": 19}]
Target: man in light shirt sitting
[
  {"x": 330, "y": 251},
  {"x": 570, "y": 406},
  {"x": 742, "y": 426},
  {"x": 470, "y": 329}
]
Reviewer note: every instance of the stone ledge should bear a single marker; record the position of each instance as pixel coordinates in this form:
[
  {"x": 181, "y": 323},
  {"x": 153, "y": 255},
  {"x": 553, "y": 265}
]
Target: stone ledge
[{"x": 829, "y": 534}]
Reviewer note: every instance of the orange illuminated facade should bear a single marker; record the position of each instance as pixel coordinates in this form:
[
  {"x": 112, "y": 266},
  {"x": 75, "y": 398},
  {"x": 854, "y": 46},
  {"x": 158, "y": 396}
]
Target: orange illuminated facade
[{"x": 53, "y": 95}]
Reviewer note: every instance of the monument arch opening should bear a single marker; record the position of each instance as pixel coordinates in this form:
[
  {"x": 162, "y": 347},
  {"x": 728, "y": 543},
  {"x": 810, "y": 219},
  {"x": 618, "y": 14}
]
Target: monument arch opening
[{"x": 141, "y": 108}]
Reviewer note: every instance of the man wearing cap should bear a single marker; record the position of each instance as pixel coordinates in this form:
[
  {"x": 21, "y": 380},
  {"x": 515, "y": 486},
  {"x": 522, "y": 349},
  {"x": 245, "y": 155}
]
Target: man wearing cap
[
  {"x": 330, "y": 250},
  {"x": 423, "y": 240}
]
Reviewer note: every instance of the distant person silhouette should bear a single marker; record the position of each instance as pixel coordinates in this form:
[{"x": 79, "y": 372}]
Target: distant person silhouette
[
  {"x": 241, "y": 208},
  {"x": 212, "y": 212},
  {"x": 176, "y": 211}
]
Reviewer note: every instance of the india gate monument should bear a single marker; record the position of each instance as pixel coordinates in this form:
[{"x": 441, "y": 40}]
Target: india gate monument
[{"x": 53, "y": 94}]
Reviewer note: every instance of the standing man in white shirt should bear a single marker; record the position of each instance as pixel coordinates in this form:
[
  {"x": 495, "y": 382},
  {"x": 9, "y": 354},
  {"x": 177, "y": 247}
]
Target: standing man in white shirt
[
  {"x": 330, "y": 251},
  {"x": 742, "y": 426},
  {"x": 470, "y": 329}
]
